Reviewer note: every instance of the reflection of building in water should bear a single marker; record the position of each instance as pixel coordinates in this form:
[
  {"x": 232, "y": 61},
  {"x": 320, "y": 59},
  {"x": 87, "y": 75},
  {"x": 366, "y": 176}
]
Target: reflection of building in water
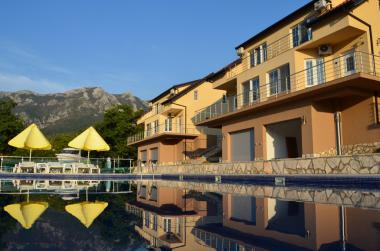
[
  {"x": 23, "y": 185},
  {"x": 265, "y": 224},
  {"x": 362, "y": 228},
  {"x": 168, "y": 216}
]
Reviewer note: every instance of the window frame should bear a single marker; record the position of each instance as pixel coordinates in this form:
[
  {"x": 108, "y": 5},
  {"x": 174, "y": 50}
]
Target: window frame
[
  {"x": 258, "y": 55},
  {"x": 298, "y": 37},
  {"x": 196, "y": 95}
]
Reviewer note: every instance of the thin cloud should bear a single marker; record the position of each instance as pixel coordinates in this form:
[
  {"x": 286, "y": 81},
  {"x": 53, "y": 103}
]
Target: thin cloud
[
  {"x": 18, "y": 55},
  {"x": 14, "y": 82}
]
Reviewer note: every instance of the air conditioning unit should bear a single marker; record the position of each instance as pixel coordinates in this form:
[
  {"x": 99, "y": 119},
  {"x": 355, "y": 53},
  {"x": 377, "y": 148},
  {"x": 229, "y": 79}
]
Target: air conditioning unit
[
  {"x": 321, "y": 5},
  {"x": 240, "y": 51},
  {"x": 325, "y": 49}
]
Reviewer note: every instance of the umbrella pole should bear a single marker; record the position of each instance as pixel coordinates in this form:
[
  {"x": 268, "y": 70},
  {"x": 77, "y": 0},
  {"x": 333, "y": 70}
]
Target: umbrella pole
[
  {"x": 88, "y": 157},
  {"x": 30, "y": 155}
]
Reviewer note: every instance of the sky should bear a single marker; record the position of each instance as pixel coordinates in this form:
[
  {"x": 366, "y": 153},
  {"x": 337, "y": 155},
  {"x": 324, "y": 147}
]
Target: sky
[{"x": 139, "y": 46}]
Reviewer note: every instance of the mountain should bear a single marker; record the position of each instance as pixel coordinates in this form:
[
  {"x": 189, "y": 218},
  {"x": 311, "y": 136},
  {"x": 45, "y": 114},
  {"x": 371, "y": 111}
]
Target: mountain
[{"x": 69, "y": 111}]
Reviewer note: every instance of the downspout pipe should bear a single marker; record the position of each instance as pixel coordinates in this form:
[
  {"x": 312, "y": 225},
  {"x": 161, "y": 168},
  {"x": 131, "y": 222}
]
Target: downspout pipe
[
  {"x": 338, "y": 132},
  {"x": 370, "y": 37},
  {"x": 184, "y": 106}
]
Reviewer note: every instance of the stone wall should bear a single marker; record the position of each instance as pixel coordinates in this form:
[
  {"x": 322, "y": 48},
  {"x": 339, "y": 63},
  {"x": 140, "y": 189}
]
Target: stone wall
[
  {"x": 346, "y": 197},
  {"x": 364, "y": 148},
  {"x": 345, "y": 164}
]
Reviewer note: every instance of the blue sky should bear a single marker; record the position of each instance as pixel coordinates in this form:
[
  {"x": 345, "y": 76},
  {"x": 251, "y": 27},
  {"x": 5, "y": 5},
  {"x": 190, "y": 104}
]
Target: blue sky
[{"x": 141, "y": 46}]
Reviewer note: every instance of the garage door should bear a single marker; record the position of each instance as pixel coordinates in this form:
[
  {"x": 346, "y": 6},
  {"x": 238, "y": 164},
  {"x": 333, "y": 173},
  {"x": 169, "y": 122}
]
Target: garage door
[
  {"x": 242, "y": 147},
  {"x": 143, "y": 156},
  {"x": 154, "y": 155}
]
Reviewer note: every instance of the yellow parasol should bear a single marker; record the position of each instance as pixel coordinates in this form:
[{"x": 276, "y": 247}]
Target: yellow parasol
[
  {"x": 26, "y": 213},
  {"x": 89, "y": 140},
  {"x": 30, "y": 138},
  {"x": 86, "y": 212}
]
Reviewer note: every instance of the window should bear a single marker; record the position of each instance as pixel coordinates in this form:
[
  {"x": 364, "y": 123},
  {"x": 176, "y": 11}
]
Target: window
[
  {"x": 142, "y": 191},
  {"x": 279, "y": 80},
  {"x": 155, "y": 222},
  {"x": 156, "y": 108},
  {"x": 154, "y": 155},
  {"x": 143, "y": 155},
  {"x": 258, "y": 55},
  {"x": 301, "y": 34},
  {"x": 251, "y": 91},
  {"x": 147, "y": 219},
  {"x": 196, "y": 95},
  {"x": 155, "y": 126},
  {"x": 349, "y": 63},
  {"x": 167, "y": 225},
  {"x": 315, "y": 71},
  {"x": 168, "y": 124},
  {"x": 148, "y": 129}
]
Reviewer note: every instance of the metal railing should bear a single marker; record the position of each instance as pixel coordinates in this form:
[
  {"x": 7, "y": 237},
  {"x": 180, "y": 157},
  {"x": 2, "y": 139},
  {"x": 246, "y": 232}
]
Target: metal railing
[
  {"x": 107, "y": 165},
  {"x": 272, "y": 50},
  {"x": 163, "y": 128},
  {"x": 319, "y": 73}
]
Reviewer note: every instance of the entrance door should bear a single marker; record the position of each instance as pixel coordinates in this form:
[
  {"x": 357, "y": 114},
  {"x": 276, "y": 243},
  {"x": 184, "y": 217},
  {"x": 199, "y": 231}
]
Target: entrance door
[
  {"x": 242, "y": 147},
  {"x": 291, "y": 146}
]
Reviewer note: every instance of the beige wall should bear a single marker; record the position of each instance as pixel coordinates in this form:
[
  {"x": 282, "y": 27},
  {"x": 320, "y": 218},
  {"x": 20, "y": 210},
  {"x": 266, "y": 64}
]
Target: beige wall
[
  {"x": 358, "y": 121},
  {"x": 361, "y": 227}
]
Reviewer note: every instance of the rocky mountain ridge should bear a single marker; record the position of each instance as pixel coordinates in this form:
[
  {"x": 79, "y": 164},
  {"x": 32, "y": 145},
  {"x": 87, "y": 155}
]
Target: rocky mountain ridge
[{"x": 68, "y": 111}]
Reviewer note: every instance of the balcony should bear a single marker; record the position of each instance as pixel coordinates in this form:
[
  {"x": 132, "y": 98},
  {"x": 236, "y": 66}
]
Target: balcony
[
  {"x": 154, "y": 110},
  {"x": 344, "y": 69},
  {"x": 168, "y": 130},
  {"x": 272, "y": 50},
  {"x": 172, "y": 109}
]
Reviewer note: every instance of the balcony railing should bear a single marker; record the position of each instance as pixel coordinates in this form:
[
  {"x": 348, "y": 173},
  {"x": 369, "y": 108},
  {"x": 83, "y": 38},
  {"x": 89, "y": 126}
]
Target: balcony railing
[
  {"x": 168, "y": 128},
  {"x": 272, "y": 50},
  {"x": 319, "y": 73}
]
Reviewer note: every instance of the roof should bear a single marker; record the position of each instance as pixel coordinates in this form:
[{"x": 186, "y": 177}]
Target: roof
[
  {"x": 166, "y": 92},
  {"x": 281, "y": 22},
  {"x": 344, "y": 6},
  {"x": 193, "y": 85},
  {"x": 225, "y": 68}
]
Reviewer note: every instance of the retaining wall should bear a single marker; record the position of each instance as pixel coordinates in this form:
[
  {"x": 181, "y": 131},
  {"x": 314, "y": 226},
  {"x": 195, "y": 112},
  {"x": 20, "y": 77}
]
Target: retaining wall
[{"x": 347, "y": 164}]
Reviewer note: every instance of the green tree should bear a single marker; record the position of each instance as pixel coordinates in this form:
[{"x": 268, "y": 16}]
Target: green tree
[
  {"x": 10, "y": 125},
  {"x": 118, "y": 124}
]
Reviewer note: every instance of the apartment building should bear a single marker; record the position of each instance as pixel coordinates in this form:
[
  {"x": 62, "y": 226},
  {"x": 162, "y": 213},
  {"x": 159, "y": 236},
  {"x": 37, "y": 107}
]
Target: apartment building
[
  {"x": 308, "y": 85},
  {"x": 170, "y": 135},
  {"x": 169, "y": 215},
  {"x": 251, "y": 223}
]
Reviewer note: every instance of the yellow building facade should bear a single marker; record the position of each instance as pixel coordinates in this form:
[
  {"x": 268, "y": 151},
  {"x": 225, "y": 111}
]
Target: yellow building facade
[
  {"x": 170, "y": 135},
  {"x": 306, "y": 86}
]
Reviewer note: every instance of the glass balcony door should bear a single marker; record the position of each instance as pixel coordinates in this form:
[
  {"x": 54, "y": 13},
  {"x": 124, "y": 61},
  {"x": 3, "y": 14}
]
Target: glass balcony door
[
  {"x": 315, "y": 71},
  {"x": 168, "y": 125},
  {"x": 349, "y": 63},
  {"x": 279, "y": 80},
  {"x": 251, "y": 91}
]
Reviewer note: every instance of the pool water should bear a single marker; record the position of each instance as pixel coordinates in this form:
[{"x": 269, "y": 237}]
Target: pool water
[{"x": 166, "y": 215}]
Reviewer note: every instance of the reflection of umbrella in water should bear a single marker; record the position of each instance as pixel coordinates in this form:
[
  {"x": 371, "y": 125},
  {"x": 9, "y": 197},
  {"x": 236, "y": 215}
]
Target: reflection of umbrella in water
[
  {"x": 31, "y": 138},
  {"x": 26, "y": 213},
  {"x": 86, "y": 212},
  {"x": 89, "y": 140}
]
